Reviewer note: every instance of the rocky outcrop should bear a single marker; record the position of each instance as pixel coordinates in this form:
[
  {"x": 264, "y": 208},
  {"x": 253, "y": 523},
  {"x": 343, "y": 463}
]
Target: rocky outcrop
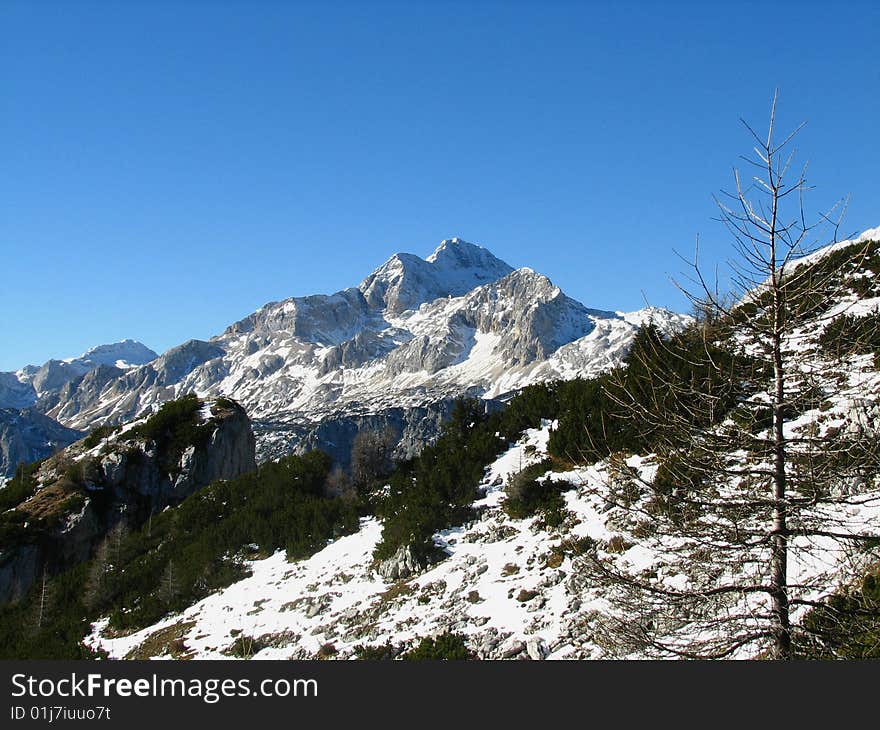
[
  {"x": 83, "y": 492},
  {"x": 402, "y": 564},
  {"x": 455, "y": 268},
  {"x": 14, "y": 393}
]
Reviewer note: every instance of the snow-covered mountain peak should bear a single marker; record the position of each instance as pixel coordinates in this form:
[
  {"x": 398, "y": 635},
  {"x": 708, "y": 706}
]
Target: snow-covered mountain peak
[
  {"x": 456, "y": 267},
  {"x": 125, "y": 354},
  {"x": 461, "y": 263},
  {"x": 415, "y": 334}
]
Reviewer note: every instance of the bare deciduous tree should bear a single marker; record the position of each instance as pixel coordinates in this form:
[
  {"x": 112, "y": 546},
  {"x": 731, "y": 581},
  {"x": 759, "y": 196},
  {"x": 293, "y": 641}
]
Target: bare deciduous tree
[{"x": 764, "y": 463}]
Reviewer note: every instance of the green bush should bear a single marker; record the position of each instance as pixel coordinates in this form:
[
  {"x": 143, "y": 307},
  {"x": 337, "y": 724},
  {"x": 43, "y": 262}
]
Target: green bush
[
  {"x": 592, "y": 422},
  {"x": 21, "y": 487},
  {"x": 527, "y": 494},
  {"x": 446, "y": 647},
  {"x": 381, "y": 652},
  {"x": 206, "y": 538},
  {"x": 851, "y": 335},
  {"x": 176, "y": 426},
  {"x": 98, "y": 434},
  {"x": 847, "y": 626},
  {"x": 436, "y": 489}
]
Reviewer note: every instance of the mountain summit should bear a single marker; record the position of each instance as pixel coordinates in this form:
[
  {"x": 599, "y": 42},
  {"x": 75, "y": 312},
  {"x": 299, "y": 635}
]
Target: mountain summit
[{"x": 455, "y": 268}]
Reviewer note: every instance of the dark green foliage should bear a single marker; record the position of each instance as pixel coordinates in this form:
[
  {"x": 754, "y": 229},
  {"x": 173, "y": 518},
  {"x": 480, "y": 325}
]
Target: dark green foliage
[
  {"x": 173, "y": 428},
  {"x": 447, "y": 646},
  {"x": 224, "y": 404},
  {"x": 807, "y": 289},
  {"x": 64, "y": 622},
  {"x": 586, "y": 425},
  {"x": 529, "y": 407},
  {"x": 596, "y": 416},
  {"x": 280, "y": 506},
  {"x": 244, "y": 647},
  {"x": 436, "y": 489},
  {"x": 97, "y": 435},
  {"x": 851, "y": 335},
  {"x": 847, "y": 626},
  {"x": 678, "y": 479},
  {"x": 528, "y": 494},
  {"x": 20, "y": 488},
  {"x": 381, "y": 652}
]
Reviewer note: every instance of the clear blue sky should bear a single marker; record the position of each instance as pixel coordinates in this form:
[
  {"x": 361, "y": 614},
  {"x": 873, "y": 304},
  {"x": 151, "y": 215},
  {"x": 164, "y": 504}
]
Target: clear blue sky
[{"x": 167, "y": 168}]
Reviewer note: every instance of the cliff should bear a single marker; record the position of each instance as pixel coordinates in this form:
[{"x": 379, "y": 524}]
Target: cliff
[{"x": 63, "y": 507}]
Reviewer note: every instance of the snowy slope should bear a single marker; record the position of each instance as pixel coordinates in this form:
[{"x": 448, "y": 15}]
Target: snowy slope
[{"x": 512, "y": 587}]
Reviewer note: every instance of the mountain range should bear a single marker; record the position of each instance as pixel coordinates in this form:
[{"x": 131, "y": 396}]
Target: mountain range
[{"x": 393, "y": 351}]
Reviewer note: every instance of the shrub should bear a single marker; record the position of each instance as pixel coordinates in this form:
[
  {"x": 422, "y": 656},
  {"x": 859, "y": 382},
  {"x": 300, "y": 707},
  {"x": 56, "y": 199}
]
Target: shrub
[
  {"x": 244, "y": 647},
  {"x": 21, "y": 487},
  {"x": 848, "y": 625},
  {"x": 382, "y": 652},
  {"x": 447, "y": 646},
  {"x": 527, "y": 494},
  {"x": 173, "y": 428},
  {"x": 850, "y": 334},
  {"x": 97, "y": 435}
]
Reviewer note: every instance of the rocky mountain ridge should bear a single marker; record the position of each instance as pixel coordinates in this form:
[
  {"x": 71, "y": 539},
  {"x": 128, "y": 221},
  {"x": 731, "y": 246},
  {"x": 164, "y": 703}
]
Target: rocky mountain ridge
[
  {"x": 414, "y": 333},
  {"x": 26, "y": 432}
]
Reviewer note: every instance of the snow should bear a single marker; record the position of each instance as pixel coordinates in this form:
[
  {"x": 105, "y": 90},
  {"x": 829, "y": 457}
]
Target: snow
[
  {"x": 278, "y": 598},
  {"x": 871, "y": 234}
]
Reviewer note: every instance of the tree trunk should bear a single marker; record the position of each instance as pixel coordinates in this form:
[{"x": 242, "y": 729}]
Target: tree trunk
[{"x": 779, "y": 559}]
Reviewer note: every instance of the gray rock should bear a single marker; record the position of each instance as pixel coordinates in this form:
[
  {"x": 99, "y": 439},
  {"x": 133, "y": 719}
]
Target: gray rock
[
  {"x": 313, "y": 370},
  {"x": 536, "y": 649},
  {"x": 514, "y": 650},
  {"x": 402, "y": 564},
  {"x": 15, "y": 393}
]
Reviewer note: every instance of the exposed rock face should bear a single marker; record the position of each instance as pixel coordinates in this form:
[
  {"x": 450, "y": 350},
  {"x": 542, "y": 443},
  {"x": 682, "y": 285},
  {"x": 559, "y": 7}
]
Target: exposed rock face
[
  {"x": 14, "y": 393},
  {"x": 27, "y": 435},
  {"x": 455, "y": 268},
  {"x": 413, "y": 428},
  {"x": 83, "y": 493},
  {"x": 402, "y": 564},
  {"x": 22, "y": 388}
]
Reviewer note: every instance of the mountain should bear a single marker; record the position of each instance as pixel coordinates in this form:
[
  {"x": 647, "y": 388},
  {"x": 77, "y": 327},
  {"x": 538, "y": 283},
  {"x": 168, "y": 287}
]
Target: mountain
[
  {"x": 26, "y": 433},
  {"x": 486, "y": 544},
  {"x": 412, "y": 335},
  {"x": 26, "y": 386}
]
